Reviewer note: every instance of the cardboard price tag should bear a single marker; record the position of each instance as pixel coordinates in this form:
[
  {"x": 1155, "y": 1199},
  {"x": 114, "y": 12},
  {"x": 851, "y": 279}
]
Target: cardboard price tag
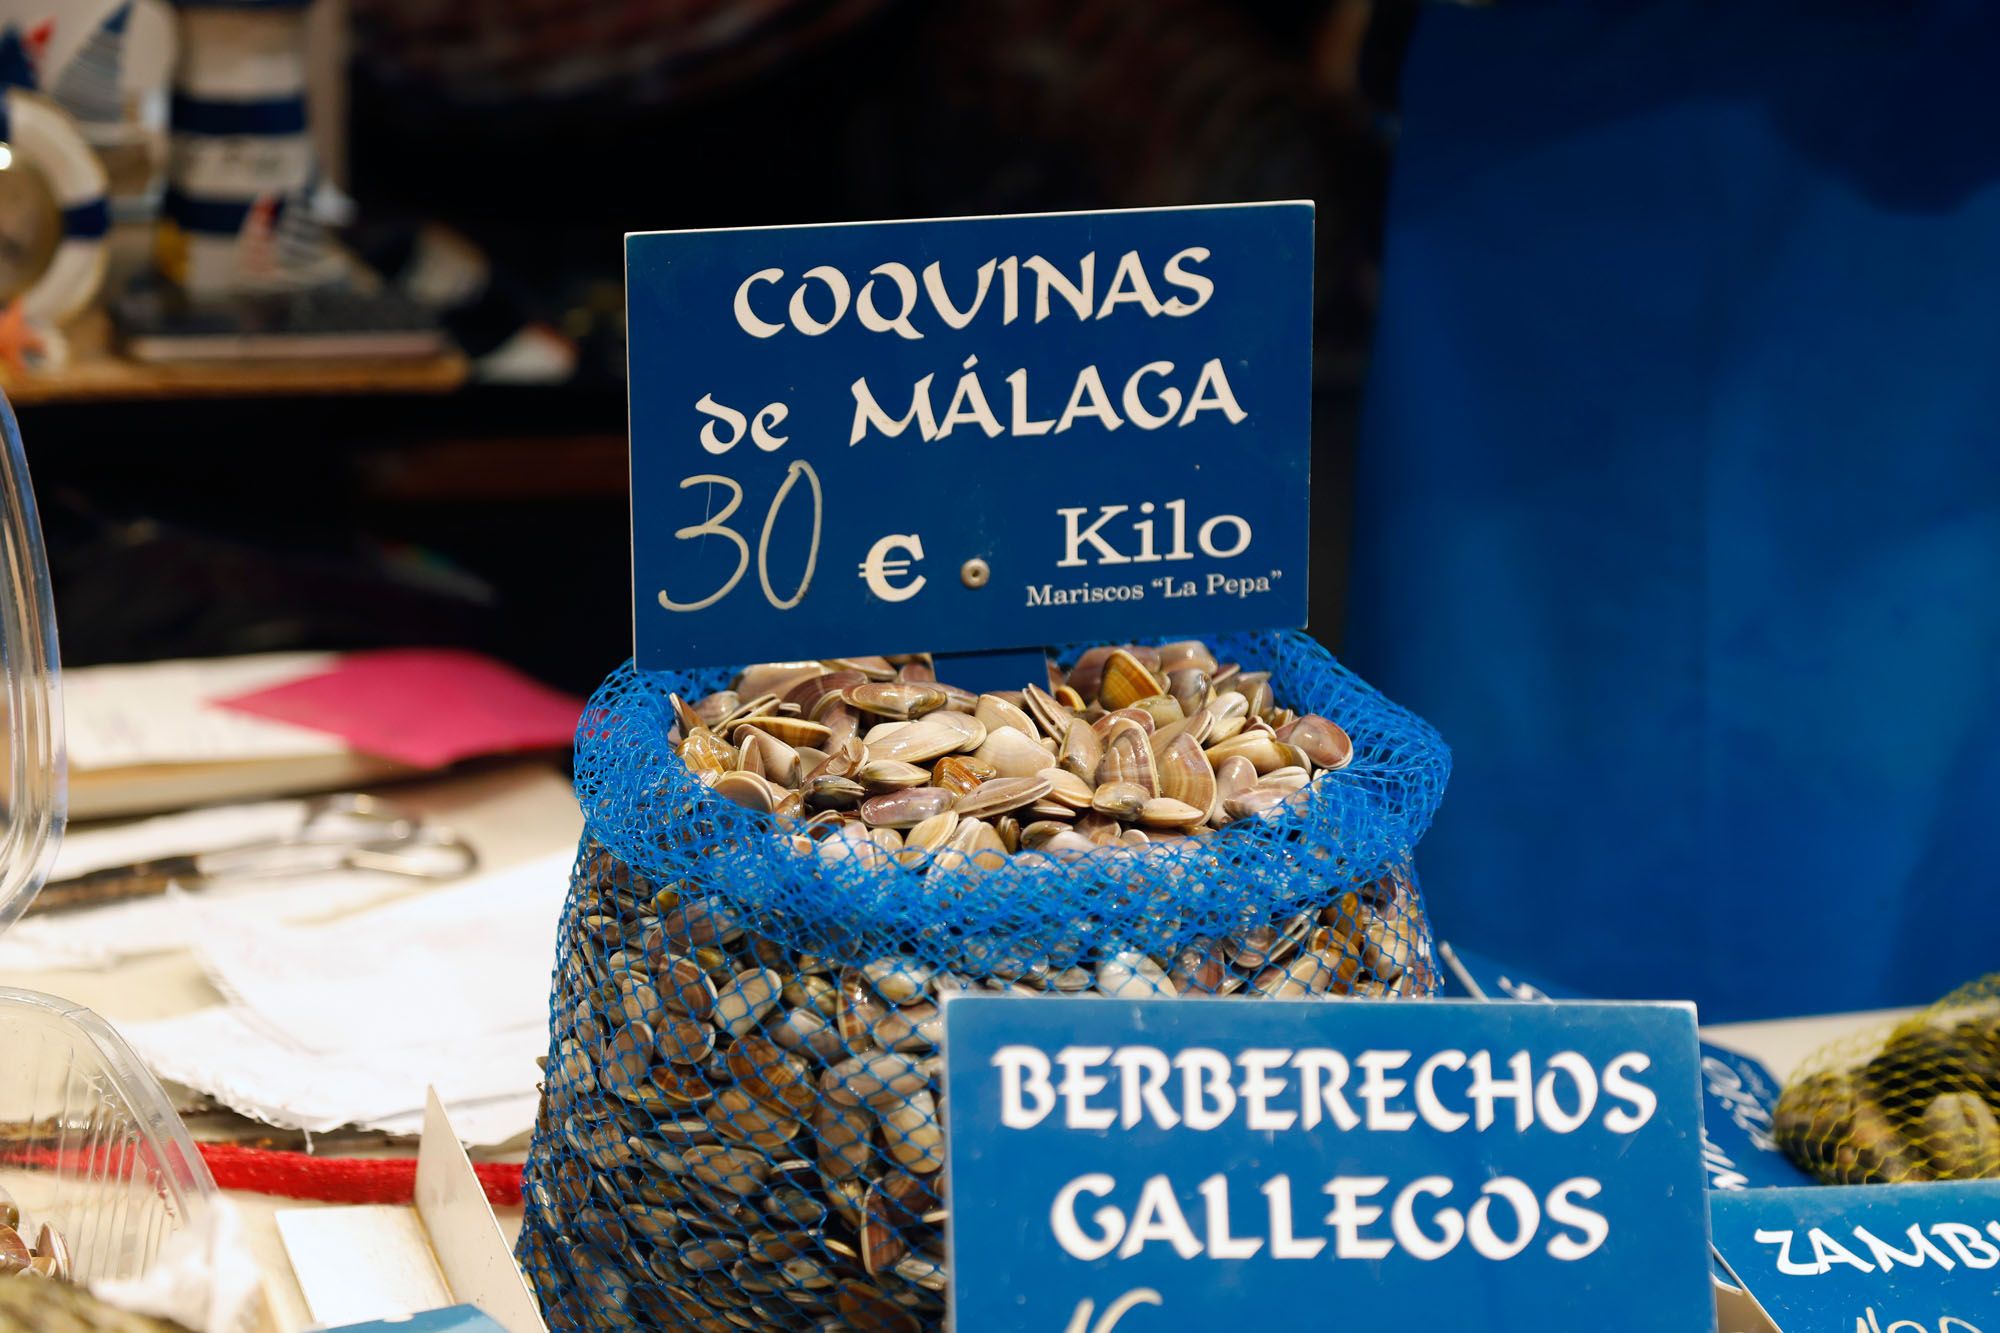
[
  {"x": 1868, "y": 1258},
  {"x": 968, "y": 434},
  {"x": 1138, "y": 1165},
  {"x": 1738, "y": 1094}
]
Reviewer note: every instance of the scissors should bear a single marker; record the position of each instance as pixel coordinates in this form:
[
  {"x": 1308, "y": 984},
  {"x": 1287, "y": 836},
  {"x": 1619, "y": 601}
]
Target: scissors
[{"x": 347, "y": 831}]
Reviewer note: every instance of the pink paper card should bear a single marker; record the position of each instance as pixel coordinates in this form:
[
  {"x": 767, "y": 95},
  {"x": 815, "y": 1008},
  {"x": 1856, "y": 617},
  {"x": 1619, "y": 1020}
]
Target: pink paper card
[{"x": 427, "y": 707}]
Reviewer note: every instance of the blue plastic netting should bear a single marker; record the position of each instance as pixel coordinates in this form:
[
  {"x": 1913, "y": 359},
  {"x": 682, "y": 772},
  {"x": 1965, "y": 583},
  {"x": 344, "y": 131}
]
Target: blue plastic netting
[{"x": 742, "y": 1119}]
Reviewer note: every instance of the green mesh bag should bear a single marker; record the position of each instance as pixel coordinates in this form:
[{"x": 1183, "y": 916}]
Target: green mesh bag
[{"x": 1920, "y": 1101}]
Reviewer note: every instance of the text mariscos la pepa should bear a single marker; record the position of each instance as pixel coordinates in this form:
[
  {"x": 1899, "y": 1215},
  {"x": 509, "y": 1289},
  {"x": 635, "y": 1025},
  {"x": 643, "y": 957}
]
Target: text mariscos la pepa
[{"x": 1321, "y": 1091}]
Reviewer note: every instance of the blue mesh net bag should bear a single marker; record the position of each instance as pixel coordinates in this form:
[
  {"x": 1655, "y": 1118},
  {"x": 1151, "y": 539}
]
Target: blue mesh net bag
[{"x": 783, "y": 870}]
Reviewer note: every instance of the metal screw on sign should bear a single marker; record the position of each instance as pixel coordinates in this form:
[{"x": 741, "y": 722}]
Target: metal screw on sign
[{"x": 974, "y": 573}]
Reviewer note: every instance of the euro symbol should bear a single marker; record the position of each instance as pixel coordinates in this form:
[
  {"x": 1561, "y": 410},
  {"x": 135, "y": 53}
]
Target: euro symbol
[{"x": 879, "y": 567}]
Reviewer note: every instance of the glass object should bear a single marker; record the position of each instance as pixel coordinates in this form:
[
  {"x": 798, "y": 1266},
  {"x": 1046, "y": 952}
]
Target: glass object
[
  {"x": 89, "y": 1143},
  {"x": 33, "y": 778}
]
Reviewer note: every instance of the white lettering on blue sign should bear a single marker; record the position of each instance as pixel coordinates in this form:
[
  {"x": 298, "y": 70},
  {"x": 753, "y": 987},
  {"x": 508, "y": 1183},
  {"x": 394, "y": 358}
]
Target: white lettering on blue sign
[
  {"x": 835, "y": 390},
  {"x": 1221, "y": 538},
  {"x": 1963, "y": 1239},
  {"x": 1840, "y": 1256},
  {"x": 1200, "y": 1089},
  {"x": 1748, "y": 1107},
  {"x": 1087, "y": 400},
  {"x": 1273, "y": 1090},
  {"x": 1129, "y": 286},
  {"x": 1113, "y": 1312},
  {"x": 889, "y": 560},
  {"x": 1739, "y": 1095},
  {"x": 1472, "y": 1158},
  {"x": 1869, "y": 1322}
]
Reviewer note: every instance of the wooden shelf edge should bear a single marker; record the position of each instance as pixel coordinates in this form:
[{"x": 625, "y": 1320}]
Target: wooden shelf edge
[{"x": 114, "y": 380}]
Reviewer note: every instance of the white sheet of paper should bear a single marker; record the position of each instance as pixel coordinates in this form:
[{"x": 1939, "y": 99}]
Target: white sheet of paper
[
  {"x": 161, "y": 712},
  {"x": 99, "y": 937},
  {"x": 346, "y": 1023},
  {"x": 220, "y": 1051},
  {"x": 86, "y": 849},
  {"x": 363, "y": 1262},
  {"x": 469, "y": 960}
]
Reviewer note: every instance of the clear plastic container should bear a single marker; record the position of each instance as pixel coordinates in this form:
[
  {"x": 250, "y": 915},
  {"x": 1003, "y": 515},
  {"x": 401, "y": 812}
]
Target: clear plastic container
[{"x": 89, "y": 1143}]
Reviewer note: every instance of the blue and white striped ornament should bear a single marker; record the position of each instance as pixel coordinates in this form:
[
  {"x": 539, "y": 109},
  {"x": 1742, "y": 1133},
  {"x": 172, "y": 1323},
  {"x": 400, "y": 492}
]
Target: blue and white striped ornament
[
  {"x": 89, "y": 86},
  {"x": 242, "y": 175},
  {"x": 41, "y": 137}
]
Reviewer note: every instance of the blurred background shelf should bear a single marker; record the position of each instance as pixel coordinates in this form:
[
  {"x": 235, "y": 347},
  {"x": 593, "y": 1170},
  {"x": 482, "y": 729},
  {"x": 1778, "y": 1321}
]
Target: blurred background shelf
[
  {"x": 222, "y": 509},
  {"x": 97, "y": 373},
  {"x": 112, "y": 379},
  {"x": 491, "y": 517}
]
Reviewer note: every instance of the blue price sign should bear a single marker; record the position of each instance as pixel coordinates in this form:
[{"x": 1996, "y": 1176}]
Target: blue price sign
[
  {"x": 1141, "y": 1165},
  {"x": 1738, "y": 1094},
  {"x": 968, "y": 434},
  {"x": 451, "y": 1319},
  {"x": 1868, "y": 1258},
  {"x": 1481, "y": 978}
]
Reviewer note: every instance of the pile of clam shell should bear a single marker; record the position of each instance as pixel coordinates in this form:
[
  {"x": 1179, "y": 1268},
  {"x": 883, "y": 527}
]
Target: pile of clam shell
[
  {"x": 878, "y": 759},
  {"x": 739, "y": 1134},
  {"x": 735, "y": 1135},
  {"x": 1926, "y": 1107},
  {"x": 47, "y": 1257}
]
